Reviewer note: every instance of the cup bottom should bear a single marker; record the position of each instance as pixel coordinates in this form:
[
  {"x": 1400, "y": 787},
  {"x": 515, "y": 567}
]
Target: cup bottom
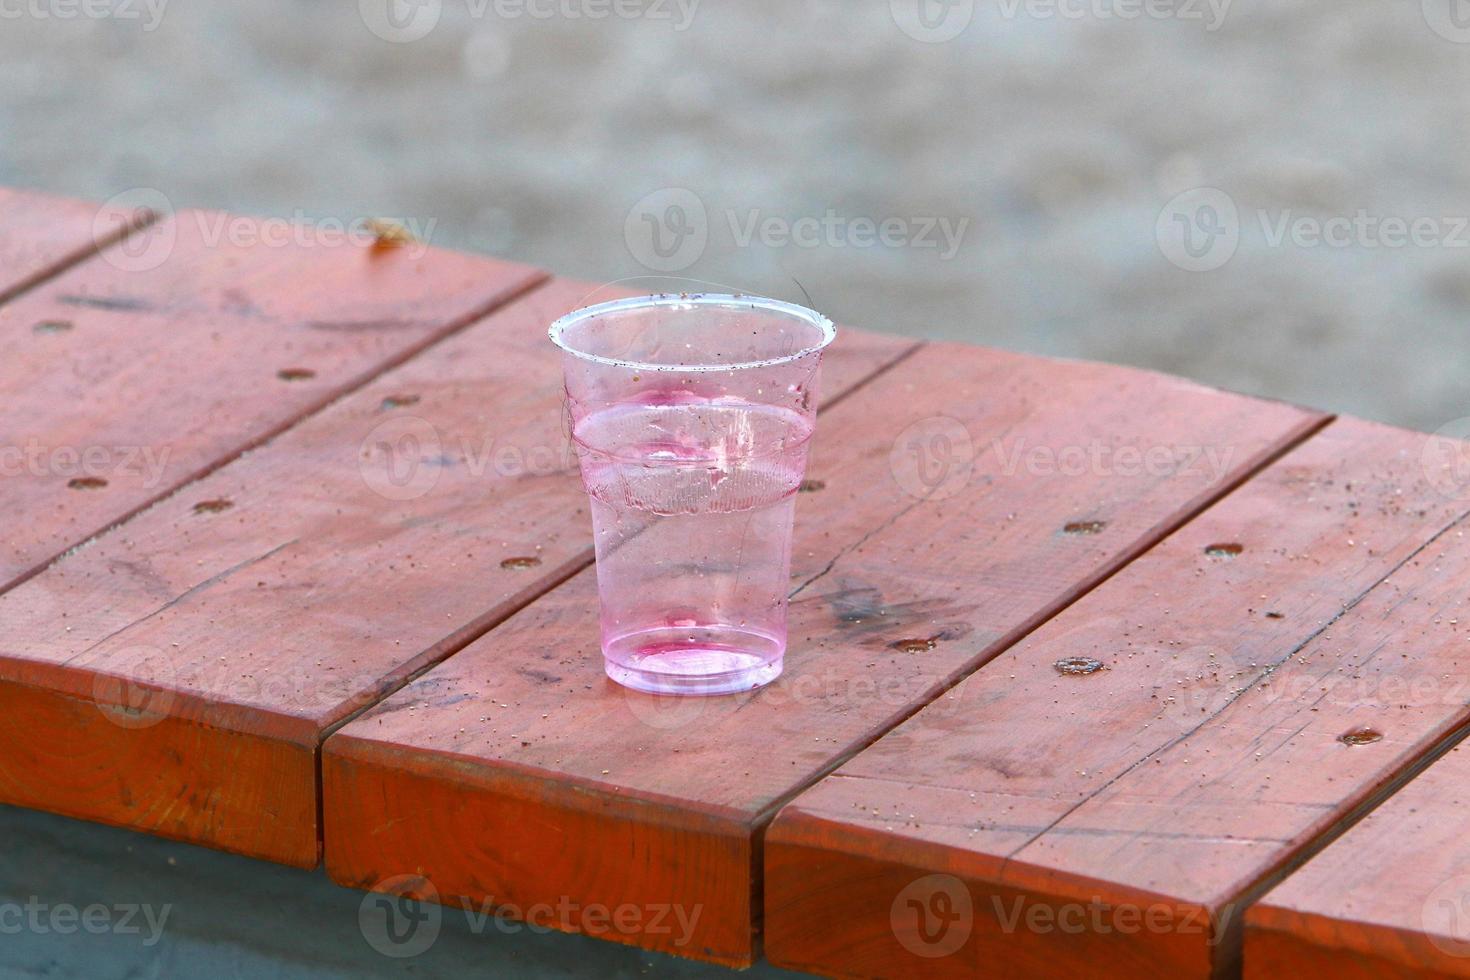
[{"x": 698, "y": 660}]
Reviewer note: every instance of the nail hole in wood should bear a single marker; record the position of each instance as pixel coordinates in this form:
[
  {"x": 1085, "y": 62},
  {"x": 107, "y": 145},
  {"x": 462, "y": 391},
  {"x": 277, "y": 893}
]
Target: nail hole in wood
[
  {"x": 1077, "y": 666},
  {"x": 1084, "y": 527},
  {"x": 399, "y": 401}
]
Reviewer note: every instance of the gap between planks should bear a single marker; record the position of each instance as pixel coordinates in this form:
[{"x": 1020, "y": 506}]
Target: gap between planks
[
  {"x": 352, "y": 386},
  {"x": 1125, "y": 558},
  {"x": 1235, "y": 930},
  {"x": 141, "y": 218},
  {"x": 1230, "y": 938},
  {"x": 575, "y": 568},
  {"x": 1155, "y": 536},
  {"x": 759, "y": 821},
  {"x": 476, "y": 631},
  {"x": 1263, "y": 678},
  {"x": 1380, "y": 795}
]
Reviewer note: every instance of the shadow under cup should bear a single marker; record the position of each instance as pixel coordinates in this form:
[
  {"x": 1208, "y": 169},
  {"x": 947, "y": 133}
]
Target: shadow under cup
[{"x": 691, "y": 416}]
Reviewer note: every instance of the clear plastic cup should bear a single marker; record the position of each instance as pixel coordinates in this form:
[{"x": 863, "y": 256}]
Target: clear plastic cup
[{"x": 691, "y": 416}]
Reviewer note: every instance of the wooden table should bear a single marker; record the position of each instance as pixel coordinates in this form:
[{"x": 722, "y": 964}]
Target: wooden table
[{"x": 1086, "y": 661}]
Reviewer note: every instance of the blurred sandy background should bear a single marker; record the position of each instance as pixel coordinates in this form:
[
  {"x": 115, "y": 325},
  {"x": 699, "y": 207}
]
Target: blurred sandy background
[{"x": 1055, "y": 132}]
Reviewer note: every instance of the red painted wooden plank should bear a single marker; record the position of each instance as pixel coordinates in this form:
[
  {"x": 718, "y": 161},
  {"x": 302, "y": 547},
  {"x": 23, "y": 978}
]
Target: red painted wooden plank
[
  {"x": 41, "y": 235},
  {"x": 515, "y": 772},
  {"x": 1107, "y": 795},
  {"x": 1391, "y": 897},
  {"x": 139, "y": 370},
  {"x": 224, "y": 630}
]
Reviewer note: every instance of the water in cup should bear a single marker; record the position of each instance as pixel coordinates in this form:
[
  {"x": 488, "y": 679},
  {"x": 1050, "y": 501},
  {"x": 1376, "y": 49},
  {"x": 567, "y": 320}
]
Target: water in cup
[{"x": 692, "y": 511}]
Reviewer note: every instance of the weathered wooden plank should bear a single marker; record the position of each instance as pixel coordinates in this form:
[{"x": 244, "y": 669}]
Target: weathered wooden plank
[
  {"x": 224, "y": 630},
  {"x": 135, "y": 372},
  {"x": 1107, "y": 796},
  {"x": 40, "y": 235},
  {"x": 1391, "y": 897},
  {"x": 516, "y": 772}
]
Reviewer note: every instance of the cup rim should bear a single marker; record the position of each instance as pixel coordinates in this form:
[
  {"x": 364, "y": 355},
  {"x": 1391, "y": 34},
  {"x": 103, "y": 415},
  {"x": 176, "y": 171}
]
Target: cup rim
[{"x": 811, "y": 317}]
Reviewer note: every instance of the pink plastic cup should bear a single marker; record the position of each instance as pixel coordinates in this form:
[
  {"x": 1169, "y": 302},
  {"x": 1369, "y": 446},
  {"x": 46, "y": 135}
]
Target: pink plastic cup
[{"x": 691, "y": 416}]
